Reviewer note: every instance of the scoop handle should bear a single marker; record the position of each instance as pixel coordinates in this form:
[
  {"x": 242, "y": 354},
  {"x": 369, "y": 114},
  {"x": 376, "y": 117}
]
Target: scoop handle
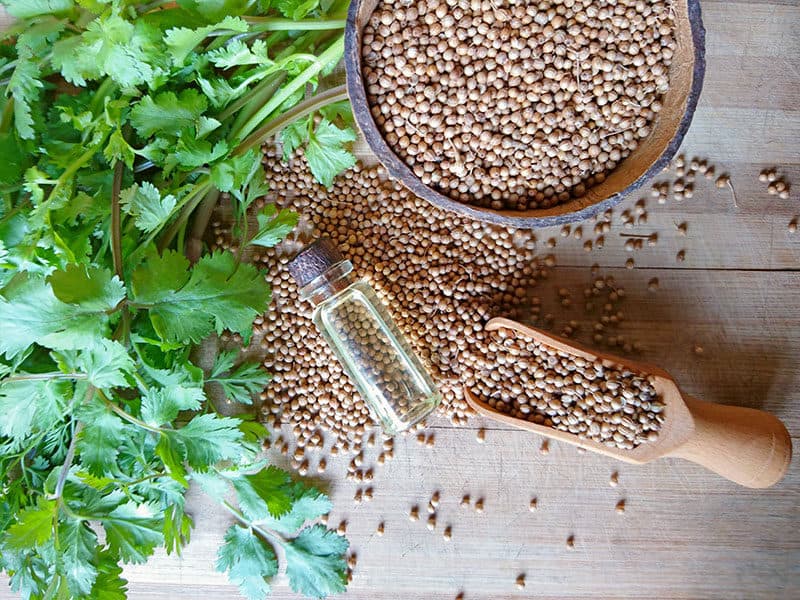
[{"x": 748, "y": 446}]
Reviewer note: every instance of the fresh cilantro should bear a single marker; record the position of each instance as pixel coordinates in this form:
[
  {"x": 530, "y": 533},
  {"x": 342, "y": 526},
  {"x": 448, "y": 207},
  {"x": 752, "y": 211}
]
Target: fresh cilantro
[
  {"x": 325, "y": 152},
  {"x": 106, "y": 187},
  {"x": 273, "y": 225},
  {"x": 239, "y": 384},
  {"x": 146, "y": 205},
  {"x": 188, "y": 305},
  {"x": 249, "y": 561},
  {"x": 315, "y": 562}
]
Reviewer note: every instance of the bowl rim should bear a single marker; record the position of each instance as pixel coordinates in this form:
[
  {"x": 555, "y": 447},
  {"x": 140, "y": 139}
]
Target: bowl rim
[{"x": 399, "y": 170}]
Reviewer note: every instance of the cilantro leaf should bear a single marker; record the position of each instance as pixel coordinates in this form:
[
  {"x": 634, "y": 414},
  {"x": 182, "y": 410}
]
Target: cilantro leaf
[
  {"x": 109, "y": 584},
  {"x": 268, "y": 492},
  {"x": 105, "y": 364},
  {"x": 34, "y": 526},
  {"x": 236, "y": 53},
  {"x": 132, "y": 531},
  {"x": 168, "y": 113},
  {"x": 99, "y": 442},
  {"x": 308, "y": 504},
  {"x": 186, "y": 306},
  {"x": 30, "y": 406},
  {"x": 212, "y": 484},
  {"x": 293, "y": 136},
  {"x": 235, "y": 172},
  {"x": 162, "y": 405},
  {"x": 118, "y": 148},
  {"x": 207, "y": 439},
  {"x": 296, "y": 9},
  {"x": 249, "y": 561},
  {"x": 91, "y": 287},
  {"x": 273, "y": 225},
  {"x": 31, "y": 313},
  {"x": 240, "y": 384},
  {"x": 315, "y": 562},
  {"x": 326, "y": 154},
  {"x": 181, "y": 40},
  {"x": 24, "y": 9},
  {"x": 146, "y": 205},
  {"x": 78, "y": 543},
  {"x": 192, "y": 152},
  {"x": 24, "y": 86}
]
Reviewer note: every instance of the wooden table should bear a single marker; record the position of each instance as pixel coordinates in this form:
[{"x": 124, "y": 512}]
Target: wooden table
[{"x": 685, "y": 533}]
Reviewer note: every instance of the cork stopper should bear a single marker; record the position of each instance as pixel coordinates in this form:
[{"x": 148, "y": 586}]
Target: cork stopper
[{"x": 313, "y": 260}]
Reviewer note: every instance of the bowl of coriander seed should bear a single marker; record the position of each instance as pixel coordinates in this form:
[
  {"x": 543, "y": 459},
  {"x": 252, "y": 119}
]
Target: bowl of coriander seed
[{"x": 522, "y": 113}]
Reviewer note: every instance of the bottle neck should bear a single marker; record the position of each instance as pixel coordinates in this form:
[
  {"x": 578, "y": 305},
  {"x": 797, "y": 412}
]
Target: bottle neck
[{"x": 330, "y": 283}]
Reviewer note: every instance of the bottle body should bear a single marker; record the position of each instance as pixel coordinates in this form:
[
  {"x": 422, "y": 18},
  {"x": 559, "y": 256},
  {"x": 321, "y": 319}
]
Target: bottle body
[{"x": 377, "y": 357}]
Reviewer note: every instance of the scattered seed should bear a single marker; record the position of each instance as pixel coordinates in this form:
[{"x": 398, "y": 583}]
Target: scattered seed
[
  {"x": 629, "y": 264},
  {"x": 680, "y": 256},
  {"x": 613, "y": 481},
  {"x": 520, "y": 581},
  {"x": 697, "y": 349},
  {"x": 430, "y": 441},
  {"x": 447, "y": 534},
  {"x": 381, "y": 528},
  {"x": 481, "y": 435},
  {"x": 465, "y": 500},
  {"x": 793, "y": 226},
  {"x": 342, "y": 528},
  {"x": 620, "y": 508},
  {"x": 571, "y": 542},
  {"x": 358, "y": 497},
  {"x": 369, "y": 494},
  {"x": 431, "y": 522},
  {"x": 652, "y": 285},
  {"x": 324, "y": 519},
  {"x": 533, "y": 504},
  {"x": 351, "y": 561},
  {"x": 413, "y": 515},
  {"x": 545, "y": 447},
  {"x": 479, "y": 505}
]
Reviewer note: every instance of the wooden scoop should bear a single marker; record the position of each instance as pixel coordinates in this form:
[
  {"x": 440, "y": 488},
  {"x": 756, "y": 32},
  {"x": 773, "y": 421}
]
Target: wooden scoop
[{"x": 748, "y": 446}]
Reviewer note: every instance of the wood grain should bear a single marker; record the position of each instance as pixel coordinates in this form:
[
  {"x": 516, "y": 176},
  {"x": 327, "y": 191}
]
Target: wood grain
[{"x": 685, "y": 533}]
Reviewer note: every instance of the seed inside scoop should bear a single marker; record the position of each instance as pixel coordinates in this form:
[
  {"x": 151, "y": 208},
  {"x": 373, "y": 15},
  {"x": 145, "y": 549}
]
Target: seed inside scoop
[{"x": 612, "y": 405}]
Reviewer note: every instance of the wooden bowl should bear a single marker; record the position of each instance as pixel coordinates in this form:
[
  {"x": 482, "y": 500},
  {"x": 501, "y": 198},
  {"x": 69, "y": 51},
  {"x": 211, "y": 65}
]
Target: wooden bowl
[{"x": 648, "y": 160}]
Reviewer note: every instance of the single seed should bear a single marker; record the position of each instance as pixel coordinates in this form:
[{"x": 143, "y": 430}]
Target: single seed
[
  {"x": 481, "y": 435},
  {"x": 351, "y": 561},
  {"x": 629, "y": 264},
  {"x": 545, "y": 447},
  {"x": 358, "y": 497},
  {"x": 431, "y": 522},
  {"x": 613, "y": 481},
  {"x": 520, "y": 581},
  {"x": 793, "y": 226},
  {"x": 697, "y": 349},
  {"x": 369, "y": 494},
  {"x": 430, "y": 441},
  {"x": 413, "y": 515},
  {"x": 342, "y": 528},
  {"x": 652, "y": 285},
  {"x": 479, "y": 505},
  {"x": 533, "y": 504},
  {"x": 381, "y": 528},
  {"x": 571, "y": 542},
  {"x": 447, "y": 534},
  {"x": 620, "y": 508},
  {"x": 322, "y": 466},
  {"x": 680, "y": 256},
  {"x": 324, "y": 519},
  {"x": 465, "y": 500}
]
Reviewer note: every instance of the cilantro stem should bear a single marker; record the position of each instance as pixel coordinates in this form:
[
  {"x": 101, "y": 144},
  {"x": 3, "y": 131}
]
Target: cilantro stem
[
  {"x": 187, "y": 206},
  {"x": 116, "y": 234},
  {"x": 202, "y": 215},
  {"x": 297, "y": 112},
  {"x": 264, "y": 89},
  {"x": 62, "y": 476},
  {"x": 128, "y": 417},
  {"x": 43, "y": 377},
  {"x": 326, "y": 58},
  {"x": 270, "y": 24},
  {"x": 265, "y": 533}
]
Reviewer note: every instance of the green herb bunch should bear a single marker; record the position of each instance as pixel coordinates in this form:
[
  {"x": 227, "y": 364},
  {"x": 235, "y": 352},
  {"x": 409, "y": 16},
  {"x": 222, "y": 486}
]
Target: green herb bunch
[{"x": 121, "y": 123}]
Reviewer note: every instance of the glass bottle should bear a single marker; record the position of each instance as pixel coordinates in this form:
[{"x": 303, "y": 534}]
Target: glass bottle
[{"x": 389, "y": 376}]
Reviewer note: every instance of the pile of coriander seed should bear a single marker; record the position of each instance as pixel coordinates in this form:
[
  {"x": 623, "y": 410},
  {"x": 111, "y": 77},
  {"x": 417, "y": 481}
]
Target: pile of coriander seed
[
  {"x": 516, "y": 105},
  {"x": 608, "y": 404},
  {"x": 442, "y": 277}
]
